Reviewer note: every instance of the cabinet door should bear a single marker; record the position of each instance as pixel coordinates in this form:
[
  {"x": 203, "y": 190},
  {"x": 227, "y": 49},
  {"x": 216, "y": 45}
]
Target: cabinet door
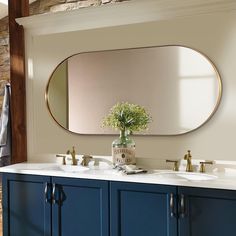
[
  {"x": 207, "y": 212},
  {"x": 25, "y": 211},
  {"x": 81, "y": 207},
  {"x": 142, "y": 209}
]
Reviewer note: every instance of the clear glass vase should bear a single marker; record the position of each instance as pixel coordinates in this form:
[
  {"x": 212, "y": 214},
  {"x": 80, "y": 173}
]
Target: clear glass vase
[{"x": 123, "y": 149}]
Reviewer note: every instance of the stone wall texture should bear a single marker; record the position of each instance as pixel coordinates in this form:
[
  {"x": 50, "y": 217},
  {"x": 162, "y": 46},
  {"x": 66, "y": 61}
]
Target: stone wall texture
[
  {"x": 37, "y": 7},
  {"x": 4, "y": 57}
]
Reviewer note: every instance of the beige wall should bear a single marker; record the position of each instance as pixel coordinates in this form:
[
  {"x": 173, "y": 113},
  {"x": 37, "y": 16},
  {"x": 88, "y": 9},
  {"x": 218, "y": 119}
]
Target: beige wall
[{"x": 214, "y": 35}]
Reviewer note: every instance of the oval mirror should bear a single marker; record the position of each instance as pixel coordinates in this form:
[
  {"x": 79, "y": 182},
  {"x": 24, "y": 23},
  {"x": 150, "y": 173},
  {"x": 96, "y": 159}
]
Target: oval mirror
[{"x": 178, "y": 86}]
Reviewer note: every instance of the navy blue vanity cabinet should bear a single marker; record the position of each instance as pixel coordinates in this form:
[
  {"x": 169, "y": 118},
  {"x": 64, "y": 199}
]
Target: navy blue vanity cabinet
[
  {"x": 25, "y": 210},
  {"x": 80, "y": 207},
  {"x": 53, "y": 206},
  {"x": 58, "y": 206},
  {"x": 206, "y": 212},
  {"x": 142, "y": 209}
]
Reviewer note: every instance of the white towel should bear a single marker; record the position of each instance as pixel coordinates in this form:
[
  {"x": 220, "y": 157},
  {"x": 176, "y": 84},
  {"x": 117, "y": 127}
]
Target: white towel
[
  {"x": 130, "y": 169},
  {"x": 5, "y": 128}
]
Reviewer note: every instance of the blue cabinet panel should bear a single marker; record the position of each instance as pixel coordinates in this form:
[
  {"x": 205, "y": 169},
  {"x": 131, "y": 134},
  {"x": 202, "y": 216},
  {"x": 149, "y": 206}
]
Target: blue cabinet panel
[
  {"x": 25, "y": 210},
  {"x": 208, "y": 212},
  {"x": 142, "y": 209},
  {"x": 81, "y": 207}
]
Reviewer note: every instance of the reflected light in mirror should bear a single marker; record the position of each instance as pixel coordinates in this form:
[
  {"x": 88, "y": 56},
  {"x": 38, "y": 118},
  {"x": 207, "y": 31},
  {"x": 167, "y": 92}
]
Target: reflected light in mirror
[
  {"x": 178, "y": 86},
  {"x": 195, "y": 78}
]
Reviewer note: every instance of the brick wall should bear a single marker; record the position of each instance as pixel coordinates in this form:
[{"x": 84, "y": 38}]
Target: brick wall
[
  {"x": 42, "y": 6},
  {"x": 37, "y": 7},
  {"x": 4, "y": 56}
]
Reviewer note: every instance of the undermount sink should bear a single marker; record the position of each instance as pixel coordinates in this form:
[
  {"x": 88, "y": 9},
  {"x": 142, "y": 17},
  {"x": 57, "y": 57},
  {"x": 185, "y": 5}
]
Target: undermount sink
[
  {"x": 185, "y": 175},
  {"x": 71, "y": 168}
]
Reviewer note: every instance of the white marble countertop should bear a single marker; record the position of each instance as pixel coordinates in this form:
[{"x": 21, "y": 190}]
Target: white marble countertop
[{"x": 222, "y": 180}]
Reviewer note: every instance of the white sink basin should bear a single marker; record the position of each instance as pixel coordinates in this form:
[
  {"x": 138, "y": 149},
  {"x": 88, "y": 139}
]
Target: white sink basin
[
  {"x": 184, "y": 175},
  {"x": 70, "y": 168}
]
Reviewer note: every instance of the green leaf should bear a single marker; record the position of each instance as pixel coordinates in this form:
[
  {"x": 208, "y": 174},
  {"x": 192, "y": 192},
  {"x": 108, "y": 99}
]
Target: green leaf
[{"x": 126, "y": 116}]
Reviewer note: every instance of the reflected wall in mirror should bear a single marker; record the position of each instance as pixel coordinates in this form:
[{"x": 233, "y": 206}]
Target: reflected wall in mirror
[{"x": 179, "y": 87}]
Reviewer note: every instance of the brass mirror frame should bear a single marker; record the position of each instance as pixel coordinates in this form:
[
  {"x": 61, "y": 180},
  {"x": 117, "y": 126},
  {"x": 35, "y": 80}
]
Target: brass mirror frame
[{"x": 218, "y": 77}]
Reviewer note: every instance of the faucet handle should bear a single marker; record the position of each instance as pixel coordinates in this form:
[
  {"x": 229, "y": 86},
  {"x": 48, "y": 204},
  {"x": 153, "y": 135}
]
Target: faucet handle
[
  {"x": 176, "y": 164},
  {"x": 63, "y": 160},
  {"x": 86, "y": 160},
  {"x": 203, "y": 167}
]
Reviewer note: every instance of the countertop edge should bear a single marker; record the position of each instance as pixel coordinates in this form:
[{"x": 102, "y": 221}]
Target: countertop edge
[{"x": 222, "y": 182}]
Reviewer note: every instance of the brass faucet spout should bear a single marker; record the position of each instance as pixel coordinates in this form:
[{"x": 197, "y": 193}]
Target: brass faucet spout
[
  {"x": 72, "y": 153},
  {"x": 189, "y": 166}
]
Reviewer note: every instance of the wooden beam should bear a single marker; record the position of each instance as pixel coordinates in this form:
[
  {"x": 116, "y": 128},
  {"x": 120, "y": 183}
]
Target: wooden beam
[{"x": 16, "y": 9}]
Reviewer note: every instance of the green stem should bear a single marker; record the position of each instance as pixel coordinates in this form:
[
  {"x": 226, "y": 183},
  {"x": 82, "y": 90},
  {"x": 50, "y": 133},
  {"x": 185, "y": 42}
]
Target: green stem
[{"x": 123, "y": 136}]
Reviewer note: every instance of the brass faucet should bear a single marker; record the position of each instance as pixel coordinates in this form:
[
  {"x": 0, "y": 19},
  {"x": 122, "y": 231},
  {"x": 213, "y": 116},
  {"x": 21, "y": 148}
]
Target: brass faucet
[
  {"x": 63, "y": 160},
  {"x": 202, "y": 165},
  {"x": 86, "y": 160},
  {"x": 188, "y": 157},
  {"x": 72, "y": 153},
  {"x": 176, "y": 164}
]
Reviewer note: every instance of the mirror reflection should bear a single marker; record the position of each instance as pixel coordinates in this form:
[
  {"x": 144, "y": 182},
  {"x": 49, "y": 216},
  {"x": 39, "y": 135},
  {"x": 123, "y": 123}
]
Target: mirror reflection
[{"x": 178, "y": 86}]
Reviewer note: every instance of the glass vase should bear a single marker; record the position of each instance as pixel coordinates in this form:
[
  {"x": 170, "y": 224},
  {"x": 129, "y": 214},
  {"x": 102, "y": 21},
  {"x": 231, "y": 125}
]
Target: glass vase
[{"x": 123, "y": 149}]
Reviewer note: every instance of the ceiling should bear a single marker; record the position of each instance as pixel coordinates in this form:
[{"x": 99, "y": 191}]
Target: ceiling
[{"x": 4, "y": 7}]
